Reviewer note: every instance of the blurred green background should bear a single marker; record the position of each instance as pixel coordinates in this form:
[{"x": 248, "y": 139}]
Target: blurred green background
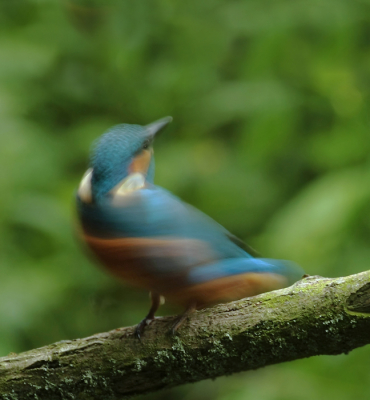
[{"x": 270, "y": 137}]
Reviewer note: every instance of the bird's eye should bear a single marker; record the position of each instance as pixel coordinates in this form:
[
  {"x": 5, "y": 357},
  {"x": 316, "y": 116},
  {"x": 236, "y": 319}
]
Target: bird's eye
[{"x": 146, "y": 144}]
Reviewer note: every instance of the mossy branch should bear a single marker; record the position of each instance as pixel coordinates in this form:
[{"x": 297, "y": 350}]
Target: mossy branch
[{"x": 314, "y": 316}]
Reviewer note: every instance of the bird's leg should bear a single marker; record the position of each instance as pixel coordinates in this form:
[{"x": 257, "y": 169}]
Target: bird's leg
[
  {"x": 181, "y": 318},
  {"x": 156, "y": 300}
]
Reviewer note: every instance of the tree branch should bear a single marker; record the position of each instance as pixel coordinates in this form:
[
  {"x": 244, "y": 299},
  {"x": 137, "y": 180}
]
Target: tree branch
[{"x": 314, "y": 316}]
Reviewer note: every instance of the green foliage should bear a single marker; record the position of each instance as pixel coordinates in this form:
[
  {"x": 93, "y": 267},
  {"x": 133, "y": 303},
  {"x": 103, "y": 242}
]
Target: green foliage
[{"x": 270, "y": 137}]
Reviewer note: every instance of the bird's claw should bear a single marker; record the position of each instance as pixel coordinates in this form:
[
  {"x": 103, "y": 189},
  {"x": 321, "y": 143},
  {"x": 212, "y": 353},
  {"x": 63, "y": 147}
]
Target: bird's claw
[
  {"x": 173, "y": 330},
  {"x": 182, "y": 318},
  {"x": 140, "y": 327}
]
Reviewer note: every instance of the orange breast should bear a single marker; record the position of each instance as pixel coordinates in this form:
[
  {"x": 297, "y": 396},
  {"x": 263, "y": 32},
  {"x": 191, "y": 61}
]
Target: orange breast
[{"x": 159, "y": 264}]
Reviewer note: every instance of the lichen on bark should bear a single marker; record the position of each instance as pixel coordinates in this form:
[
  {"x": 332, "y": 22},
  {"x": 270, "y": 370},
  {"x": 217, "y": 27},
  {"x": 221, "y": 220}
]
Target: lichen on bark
[{"x": 314, "y": 316}]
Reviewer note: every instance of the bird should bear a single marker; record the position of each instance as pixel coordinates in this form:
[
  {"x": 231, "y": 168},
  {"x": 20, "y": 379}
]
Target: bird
[{"x": 149, "y": 238}]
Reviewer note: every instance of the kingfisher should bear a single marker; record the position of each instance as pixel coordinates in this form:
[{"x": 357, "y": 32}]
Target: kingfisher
[{"x": 149, "y": 238}]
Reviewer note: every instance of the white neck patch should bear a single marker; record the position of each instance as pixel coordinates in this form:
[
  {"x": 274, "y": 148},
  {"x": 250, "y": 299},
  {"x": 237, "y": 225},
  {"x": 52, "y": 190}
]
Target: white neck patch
[
  {"x": 84, "y": 190},
  {"x": 133, "y": 182}
]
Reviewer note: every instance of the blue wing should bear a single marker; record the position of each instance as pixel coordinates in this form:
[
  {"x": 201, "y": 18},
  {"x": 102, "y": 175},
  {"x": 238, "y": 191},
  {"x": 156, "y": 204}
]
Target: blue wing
[{"x": 153, "y": 212}]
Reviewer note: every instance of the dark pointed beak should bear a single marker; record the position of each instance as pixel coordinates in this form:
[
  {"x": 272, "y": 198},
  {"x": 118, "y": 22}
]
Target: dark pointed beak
[{"x": 156, "y": 126}]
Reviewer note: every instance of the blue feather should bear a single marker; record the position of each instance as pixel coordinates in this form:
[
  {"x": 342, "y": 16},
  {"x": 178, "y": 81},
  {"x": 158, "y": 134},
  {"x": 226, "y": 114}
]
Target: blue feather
[{"x": 232, "y": 266}]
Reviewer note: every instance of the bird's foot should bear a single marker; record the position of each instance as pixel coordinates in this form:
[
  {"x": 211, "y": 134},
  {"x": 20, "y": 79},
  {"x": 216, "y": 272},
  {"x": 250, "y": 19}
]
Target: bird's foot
[
  {"x": 140, "y": 327},
  {"x": 156, "y": 300},
  {"x": 178, "y": 322},
  {"x": 181, "y": 319}
]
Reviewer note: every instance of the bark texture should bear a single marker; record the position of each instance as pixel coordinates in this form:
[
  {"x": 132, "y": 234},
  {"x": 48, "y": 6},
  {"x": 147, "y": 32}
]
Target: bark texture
[{"x": 315, "y": 316}]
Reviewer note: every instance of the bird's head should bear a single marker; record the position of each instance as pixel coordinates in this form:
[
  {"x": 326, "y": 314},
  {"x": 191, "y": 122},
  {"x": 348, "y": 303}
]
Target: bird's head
[{"x": 122, "y": 151}]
